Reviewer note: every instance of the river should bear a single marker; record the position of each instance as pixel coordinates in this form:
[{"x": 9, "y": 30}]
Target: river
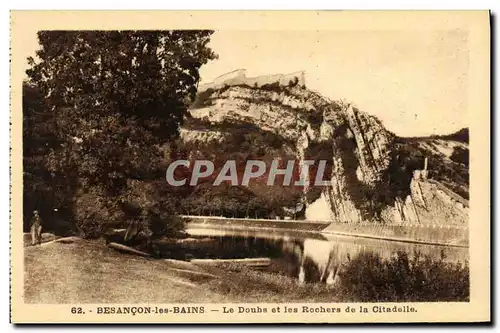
[{"x": 310, "y": 257}]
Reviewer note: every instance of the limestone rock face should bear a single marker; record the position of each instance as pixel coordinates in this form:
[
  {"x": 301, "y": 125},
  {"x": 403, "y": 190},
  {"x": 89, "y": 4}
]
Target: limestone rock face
[
  {"x": 193, "y": 135},
  {"x": 361, "y": 149},
  {"x": 429, "y": 203}
]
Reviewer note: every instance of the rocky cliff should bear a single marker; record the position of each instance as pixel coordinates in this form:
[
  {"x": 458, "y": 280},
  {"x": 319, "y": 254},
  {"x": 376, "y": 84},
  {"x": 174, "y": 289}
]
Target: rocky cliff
[{"x": 372, "y": 174}]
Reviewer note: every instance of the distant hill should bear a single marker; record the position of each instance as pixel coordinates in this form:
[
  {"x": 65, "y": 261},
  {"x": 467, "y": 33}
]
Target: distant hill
[{"x": 462, "y": 135}]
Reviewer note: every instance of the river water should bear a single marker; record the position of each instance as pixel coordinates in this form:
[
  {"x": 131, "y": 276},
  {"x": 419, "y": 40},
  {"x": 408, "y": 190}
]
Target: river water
[{"x": 309, "y": 257}]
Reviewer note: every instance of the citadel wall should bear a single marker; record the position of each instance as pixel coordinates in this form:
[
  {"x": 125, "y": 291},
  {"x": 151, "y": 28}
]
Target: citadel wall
[{"x": 238, "y": 77}]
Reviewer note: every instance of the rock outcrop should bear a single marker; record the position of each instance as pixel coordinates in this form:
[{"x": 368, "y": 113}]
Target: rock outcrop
[{"x": 372, "y": 176}]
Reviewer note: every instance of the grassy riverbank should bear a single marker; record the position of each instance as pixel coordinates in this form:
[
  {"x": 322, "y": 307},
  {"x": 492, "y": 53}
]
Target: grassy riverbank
[{"x": 89, "y": 272}]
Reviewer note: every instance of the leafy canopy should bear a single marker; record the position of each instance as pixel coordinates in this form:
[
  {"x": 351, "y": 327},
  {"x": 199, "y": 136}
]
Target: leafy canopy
[{"x": 114, "y": 97}]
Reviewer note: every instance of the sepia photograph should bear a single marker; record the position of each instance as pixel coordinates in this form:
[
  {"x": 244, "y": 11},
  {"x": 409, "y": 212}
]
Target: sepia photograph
[{"x": 201, "y": 172}]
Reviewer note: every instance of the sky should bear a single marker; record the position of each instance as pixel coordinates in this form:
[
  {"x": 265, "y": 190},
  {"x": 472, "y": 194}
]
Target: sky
[{"x": 415, "y": 82}]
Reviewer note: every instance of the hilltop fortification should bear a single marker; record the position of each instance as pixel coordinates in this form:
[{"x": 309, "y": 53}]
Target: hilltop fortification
[{"x": 239, "y": 77}]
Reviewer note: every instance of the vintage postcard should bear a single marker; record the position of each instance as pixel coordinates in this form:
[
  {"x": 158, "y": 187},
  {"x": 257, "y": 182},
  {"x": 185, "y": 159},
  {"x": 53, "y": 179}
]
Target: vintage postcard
[{"x": 250, "y": 166}]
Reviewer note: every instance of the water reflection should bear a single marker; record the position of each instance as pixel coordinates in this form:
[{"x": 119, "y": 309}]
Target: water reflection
[{"x": 309, "y": 257}]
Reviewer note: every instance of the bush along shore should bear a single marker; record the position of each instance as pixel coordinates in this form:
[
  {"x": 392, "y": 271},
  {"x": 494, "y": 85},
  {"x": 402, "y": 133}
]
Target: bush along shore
[
  {"x": 369, "y": 278},
  {"x": 365, "y": 278}
]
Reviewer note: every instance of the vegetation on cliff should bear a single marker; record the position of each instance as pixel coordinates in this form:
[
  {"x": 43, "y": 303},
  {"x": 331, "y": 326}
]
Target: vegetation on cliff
[
  {"x": 448, "y": 158},
  {"x": 242, "y": 142}
]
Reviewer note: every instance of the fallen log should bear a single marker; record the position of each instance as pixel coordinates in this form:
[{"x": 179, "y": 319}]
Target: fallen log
[
  {"x": 253, "y": 262},
  {"x": 46, "y": 237},
  {"x": 181, "y": 264},
  {"x": 63, "y": 240},
  {"x": 189, "y": 272},
  {"x": 127, "y": 249},
  {"x": 68, "y": 240}
]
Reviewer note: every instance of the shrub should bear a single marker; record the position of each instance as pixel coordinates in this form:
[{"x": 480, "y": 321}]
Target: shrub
[
  {"x": 315, "y": 118},
  {"x": 202, "y": 99},
  {"x": 294, "y": 82},
  {"x": 275, "y": 87},
  {"x": 95, "y": 212},
  {"x": 460, "y": 155},
  {"x": 369, "y": 278},
  {"x": 162, "y": 224}
]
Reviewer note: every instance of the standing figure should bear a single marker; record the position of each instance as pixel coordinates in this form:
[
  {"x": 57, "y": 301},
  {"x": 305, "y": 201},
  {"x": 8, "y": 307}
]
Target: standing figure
[{"x": 36, "y": 229}]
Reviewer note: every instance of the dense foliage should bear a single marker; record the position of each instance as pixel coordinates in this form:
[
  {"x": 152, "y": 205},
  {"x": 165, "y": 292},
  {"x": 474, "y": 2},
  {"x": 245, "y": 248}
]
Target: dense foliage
[
  {"x": 243, "y": 141},
  {"x": 202, "y": 99},
  {"x": 98, "y": 107},
  {"x": 43, "y": 189},
  {"x": 369, "y": 278}
]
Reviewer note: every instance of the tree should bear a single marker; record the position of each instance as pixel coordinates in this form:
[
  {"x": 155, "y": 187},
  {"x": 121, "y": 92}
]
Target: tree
[
  {"x": 115, "y": 97},
  {"x": 43, "y": 189}
]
